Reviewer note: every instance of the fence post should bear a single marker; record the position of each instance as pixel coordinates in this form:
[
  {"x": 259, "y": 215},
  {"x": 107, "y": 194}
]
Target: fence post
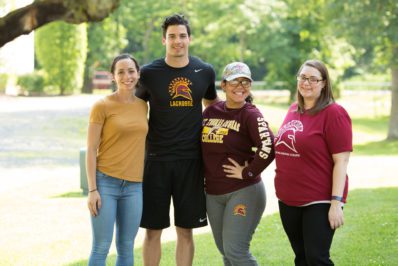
[{"x": 83, "y": 175}]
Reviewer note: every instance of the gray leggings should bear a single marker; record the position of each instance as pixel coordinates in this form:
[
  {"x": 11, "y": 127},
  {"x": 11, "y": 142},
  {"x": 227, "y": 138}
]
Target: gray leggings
[{"x": 233, "y": 219}]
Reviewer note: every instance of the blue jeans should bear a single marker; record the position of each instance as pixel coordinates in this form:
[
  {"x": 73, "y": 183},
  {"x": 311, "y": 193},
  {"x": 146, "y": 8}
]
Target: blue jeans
[{"x": 121, "y": 203}]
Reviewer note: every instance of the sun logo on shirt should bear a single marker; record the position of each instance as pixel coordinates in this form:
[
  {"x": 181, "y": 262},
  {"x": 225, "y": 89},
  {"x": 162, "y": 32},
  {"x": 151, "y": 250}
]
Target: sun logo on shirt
[{"x": 179, "y": 87}]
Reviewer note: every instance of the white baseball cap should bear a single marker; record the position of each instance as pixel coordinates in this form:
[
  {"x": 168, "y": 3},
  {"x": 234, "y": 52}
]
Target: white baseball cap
[{"x": 236, "y": 70}]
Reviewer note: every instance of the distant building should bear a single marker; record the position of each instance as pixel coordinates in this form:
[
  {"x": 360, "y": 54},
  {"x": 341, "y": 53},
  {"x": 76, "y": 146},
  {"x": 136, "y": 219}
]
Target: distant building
[{"x": 17, "y": 56}]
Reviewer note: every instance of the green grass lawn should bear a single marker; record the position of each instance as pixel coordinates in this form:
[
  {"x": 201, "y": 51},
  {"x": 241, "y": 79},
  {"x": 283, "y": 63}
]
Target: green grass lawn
[{"x": 368, "y": 237}]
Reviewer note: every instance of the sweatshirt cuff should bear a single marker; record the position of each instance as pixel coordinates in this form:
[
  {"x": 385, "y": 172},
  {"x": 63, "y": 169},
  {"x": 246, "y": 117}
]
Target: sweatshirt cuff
[{"x": 247, "y": 173}]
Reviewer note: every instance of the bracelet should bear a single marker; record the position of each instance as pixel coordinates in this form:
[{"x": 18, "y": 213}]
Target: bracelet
[
  {"x": 93, "y": 190},
  {"x": 338, "y": 198}
]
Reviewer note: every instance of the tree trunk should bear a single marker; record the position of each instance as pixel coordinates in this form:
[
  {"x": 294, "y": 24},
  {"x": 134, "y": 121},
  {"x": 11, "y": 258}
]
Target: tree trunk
[
  {"x": 26, "y": 19},
  {"x": 145, "y": 42},
  {"x": 393, "y": 127},
  {"x": 87, "y": 80},
  {"x": 242, "y": 46}
]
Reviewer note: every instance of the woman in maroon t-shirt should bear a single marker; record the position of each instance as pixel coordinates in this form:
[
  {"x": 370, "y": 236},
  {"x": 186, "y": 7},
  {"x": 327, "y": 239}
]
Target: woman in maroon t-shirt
[
  {"x": 312, "y": 150},
  {"x": 235, "y": 197}
]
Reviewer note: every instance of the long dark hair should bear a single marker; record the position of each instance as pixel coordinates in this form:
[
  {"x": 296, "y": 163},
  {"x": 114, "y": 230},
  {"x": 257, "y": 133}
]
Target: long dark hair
[
  {"x": 326, "y": 96},
  {"x": 249, "y": 98}
]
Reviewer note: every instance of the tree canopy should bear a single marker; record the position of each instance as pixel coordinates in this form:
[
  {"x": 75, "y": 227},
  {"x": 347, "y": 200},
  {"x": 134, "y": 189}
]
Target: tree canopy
[
  {"x": 371, "y": 26},
  {"x": 61, "y": 50},
  {"x": 273, "y": 37}
]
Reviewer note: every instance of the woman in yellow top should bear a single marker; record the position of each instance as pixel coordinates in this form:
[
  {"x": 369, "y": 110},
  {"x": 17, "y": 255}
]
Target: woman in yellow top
[{"x": 115, "y": 161}]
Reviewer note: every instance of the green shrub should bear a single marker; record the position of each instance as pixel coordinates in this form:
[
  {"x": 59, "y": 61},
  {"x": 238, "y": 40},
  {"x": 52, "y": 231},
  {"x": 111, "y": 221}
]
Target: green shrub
[
  {"x": 3, "y": 82},
  {"x": 32, "y": 83},
  {"x": 61, "y": 50}
]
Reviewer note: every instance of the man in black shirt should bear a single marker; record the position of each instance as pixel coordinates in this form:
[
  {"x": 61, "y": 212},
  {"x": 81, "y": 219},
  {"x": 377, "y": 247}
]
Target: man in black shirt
[{"x": 175, "y": 87}]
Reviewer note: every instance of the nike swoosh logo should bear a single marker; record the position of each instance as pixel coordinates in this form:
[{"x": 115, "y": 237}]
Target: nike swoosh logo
[
  {"x": 197, "y": 70},
  {"x": 202, "y": 220}
]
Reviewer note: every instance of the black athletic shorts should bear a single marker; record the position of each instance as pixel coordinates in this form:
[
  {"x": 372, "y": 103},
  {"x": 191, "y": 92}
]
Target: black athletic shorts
[{"x": 181, "y": 180}]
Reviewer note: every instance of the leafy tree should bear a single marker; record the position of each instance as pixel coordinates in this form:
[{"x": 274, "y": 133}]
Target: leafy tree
[
  {"x": 372, "y": 26},
  {"x": 292, "y": 32},
  {"x": 294, "y": 35},
  {"x": 61, "y": 50},
  {"x": 105, "y": 40},
  {"x": 2, "y": 4},
  {"x": 215, "y": 35},
  {"x": 143, "y": 21},
  {"x": 220, "y": 38},
  {"x": 133, "y": 28}
]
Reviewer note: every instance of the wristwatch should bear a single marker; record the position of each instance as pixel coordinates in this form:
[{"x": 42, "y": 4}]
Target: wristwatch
[{"x": 338, "y": 198}]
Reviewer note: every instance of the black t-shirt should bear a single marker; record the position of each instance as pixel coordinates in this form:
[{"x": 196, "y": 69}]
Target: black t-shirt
[{"x": 175, "y": 101}]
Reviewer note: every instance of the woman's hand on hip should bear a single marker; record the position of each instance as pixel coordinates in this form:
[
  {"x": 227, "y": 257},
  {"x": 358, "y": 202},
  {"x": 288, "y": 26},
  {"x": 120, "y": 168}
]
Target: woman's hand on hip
[
  {"x": 94, "y": 202},
  {"x": 235, "y": 170}
]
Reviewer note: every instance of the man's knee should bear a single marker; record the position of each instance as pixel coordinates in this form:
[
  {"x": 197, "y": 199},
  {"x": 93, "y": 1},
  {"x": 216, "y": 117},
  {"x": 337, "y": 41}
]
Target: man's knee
[
  {"x": 153, "y": 235},
  {"x": 184, "y": 234}
]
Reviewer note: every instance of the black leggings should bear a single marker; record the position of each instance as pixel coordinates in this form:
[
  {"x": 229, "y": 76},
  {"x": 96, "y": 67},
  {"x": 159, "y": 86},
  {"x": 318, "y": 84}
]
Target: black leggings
[{"x": 309, "y": 232}]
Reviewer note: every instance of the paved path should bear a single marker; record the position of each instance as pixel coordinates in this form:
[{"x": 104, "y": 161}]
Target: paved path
[{"x": 39, "y": 204}]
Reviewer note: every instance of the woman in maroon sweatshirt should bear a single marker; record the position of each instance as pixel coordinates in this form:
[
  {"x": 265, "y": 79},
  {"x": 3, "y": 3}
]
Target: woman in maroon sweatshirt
[{"x": 237, "y": 145}]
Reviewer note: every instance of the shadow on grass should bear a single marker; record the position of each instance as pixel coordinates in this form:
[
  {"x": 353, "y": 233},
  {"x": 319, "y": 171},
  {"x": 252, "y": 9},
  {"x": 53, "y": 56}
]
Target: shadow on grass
[
  {"x": 72, "y": 194},
  {"x": 377, "y": 148}
]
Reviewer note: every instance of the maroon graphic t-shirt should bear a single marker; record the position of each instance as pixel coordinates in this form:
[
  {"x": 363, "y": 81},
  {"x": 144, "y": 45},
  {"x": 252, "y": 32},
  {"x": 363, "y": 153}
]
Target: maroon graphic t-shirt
[{"x": 303, "y": 154}]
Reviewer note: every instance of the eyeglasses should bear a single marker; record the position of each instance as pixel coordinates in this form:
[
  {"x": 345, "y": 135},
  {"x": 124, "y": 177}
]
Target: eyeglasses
[
  {"x": 235, "y": 83},
  {"x": 311, "y": 80}
]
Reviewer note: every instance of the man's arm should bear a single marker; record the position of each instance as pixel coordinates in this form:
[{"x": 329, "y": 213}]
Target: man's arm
[{"x": 207, "y": 102}]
